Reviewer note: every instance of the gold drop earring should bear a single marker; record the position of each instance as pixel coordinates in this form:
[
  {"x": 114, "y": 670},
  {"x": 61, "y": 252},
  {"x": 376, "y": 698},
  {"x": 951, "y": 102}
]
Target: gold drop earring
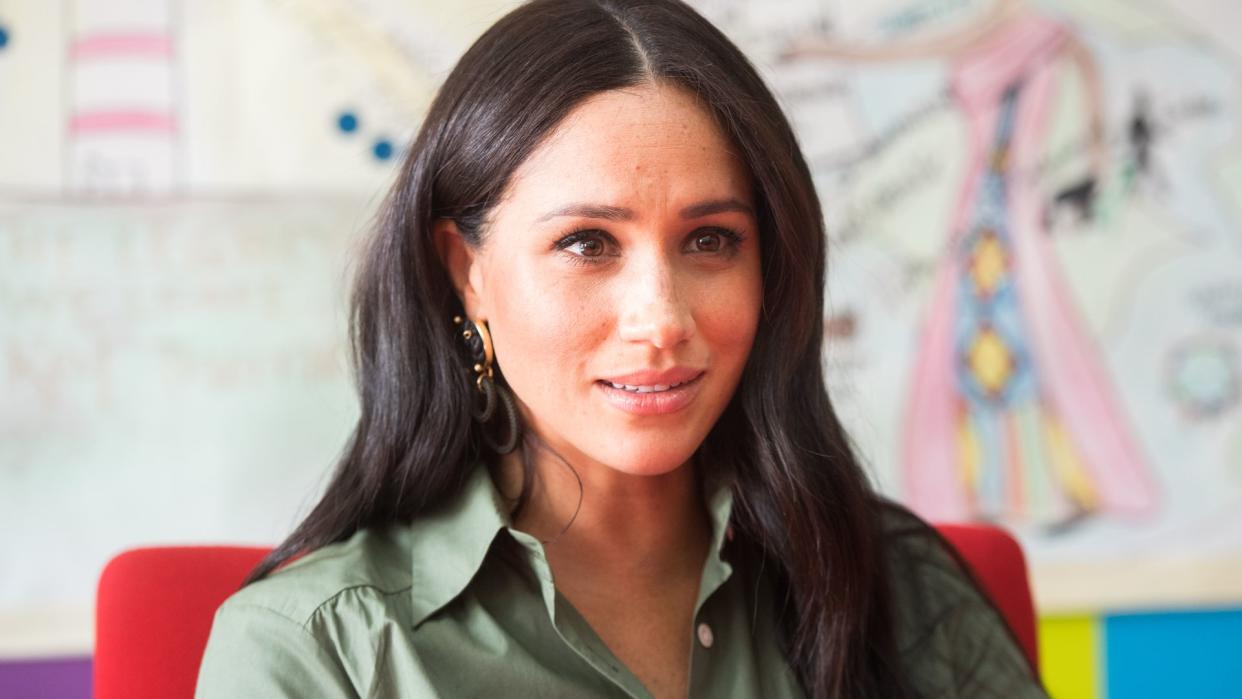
[{"x": 478, "y": 339}]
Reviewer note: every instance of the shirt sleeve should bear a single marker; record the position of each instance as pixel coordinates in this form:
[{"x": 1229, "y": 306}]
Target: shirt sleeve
[
  {"x": 254, "y": 651},
  {"x": 986, "y": 661},
  {"x": 953, "y": 640}
]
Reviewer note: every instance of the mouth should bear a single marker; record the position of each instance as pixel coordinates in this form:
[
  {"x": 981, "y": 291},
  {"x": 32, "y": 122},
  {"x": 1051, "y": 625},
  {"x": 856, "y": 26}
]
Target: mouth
[
  {"x": 649, "y": 388},
  {"x": 653, "y": 394}
]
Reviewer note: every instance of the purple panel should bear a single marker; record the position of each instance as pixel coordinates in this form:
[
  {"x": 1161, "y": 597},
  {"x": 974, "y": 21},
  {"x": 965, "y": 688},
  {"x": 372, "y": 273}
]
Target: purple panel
[{"x": 46, "y": 678}]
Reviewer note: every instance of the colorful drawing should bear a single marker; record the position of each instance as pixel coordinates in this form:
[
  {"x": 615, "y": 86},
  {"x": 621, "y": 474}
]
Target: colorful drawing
[
  {"x": 122, "y": 126},
  {"x": 1011, "y": 414}
]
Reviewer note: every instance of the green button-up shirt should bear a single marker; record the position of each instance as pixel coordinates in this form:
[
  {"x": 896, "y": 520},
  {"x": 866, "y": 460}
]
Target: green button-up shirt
[{"x": 461, "y": 604}]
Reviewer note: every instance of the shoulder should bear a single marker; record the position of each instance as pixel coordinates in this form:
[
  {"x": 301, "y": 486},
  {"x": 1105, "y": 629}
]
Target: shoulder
[
  {"x": 921, "y": 564},
  {"x": 953, "y": 640},
  {"x": 372, "y": 565},
  {"x": 927, "y": 581},
  {"x": 314, "y": 627}
]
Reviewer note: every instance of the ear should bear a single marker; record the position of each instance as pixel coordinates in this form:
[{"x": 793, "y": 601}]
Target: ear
[{"x": 461, "y": 261}]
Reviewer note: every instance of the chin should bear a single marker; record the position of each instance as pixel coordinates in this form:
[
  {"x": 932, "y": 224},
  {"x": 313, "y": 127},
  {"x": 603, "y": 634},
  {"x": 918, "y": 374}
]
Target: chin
[
  {"x": 616, "y": 445},
  {"x": 643, "y": 459}
]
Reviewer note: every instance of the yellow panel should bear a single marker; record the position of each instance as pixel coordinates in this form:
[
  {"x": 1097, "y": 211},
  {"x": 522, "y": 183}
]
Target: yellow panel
[{"x": 1069, "y": 656}]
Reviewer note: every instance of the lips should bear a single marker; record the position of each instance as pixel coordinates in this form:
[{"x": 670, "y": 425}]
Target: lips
[
  {"x": 651, "y": 379},
  {"x": 652, "y": 392}
]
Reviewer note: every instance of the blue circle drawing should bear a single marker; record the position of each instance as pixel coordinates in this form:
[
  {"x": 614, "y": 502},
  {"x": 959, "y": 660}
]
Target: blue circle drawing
[
  {"x": 1206, "y": 377},
  {"x": 382, "y": 149},
  {"x": 347, "y": 122},
  {"x": 4, "y": 36}
]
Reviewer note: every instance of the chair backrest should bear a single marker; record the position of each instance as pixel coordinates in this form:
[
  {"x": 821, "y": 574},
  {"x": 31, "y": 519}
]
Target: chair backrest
[
  {"x": 997, "y": 562},
  {"x": 153, "y": 612},
  {"x": 155, "y": 607}
]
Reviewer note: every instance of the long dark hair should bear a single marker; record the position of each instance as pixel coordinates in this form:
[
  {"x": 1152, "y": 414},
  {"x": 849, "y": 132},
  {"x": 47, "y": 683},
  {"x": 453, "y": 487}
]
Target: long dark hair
[{"x": 804, "y": 507}]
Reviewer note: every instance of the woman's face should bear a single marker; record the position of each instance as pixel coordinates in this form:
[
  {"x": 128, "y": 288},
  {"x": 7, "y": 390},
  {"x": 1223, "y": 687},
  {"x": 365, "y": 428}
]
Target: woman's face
[{"x": 620, "y": 277}]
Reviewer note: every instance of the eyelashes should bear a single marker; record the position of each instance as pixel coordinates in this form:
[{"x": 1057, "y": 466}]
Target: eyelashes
[
  {"x": 592, "y": 246},
  {"x": 587, "y": 245}
]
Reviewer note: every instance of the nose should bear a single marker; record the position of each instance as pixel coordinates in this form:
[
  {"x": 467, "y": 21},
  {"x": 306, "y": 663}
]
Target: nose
[{"x": 653, "y": 309}]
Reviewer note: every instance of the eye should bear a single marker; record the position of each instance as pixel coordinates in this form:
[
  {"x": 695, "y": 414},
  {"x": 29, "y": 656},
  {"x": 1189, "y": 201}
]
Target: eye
[
  {"x": 590, "y": 247},
  {"x": 713, "y": 241},
  {"x": 708, "y": 242},
  {"x": 587, "y": 246}
]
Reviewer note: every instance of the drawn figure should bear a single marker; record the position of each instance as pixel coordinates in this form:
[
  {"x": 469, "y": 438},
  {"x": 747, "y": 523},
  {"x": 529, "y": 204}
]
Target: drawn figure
[
  {"x": 1142, "y": 173},
  {"x": 1011, "y": 413}
]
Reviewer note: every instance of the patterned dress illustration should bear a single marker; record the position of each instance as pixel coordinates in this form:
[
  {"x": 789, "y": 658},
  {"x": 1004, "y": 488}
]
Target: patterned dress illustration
[{"x": 1011, "y": 414}]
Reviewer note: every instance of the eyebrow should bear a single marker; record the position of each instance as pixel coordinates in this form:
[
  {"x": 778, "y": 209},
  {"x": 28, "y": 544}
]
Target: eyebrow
[
  {"x": 617, "y": 213},
  {"x": 716, "y": 206},
  {"x": 610, "y": 213}
]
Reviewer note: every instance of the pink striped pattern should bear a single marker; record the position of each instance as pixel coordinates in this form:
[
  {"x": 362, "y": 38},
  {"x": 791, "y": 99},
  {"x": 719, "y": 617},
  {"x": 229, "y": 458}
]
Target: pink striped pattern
[
  {"x": 111, "y": 121},
  {"x": 122, "y": 44}
]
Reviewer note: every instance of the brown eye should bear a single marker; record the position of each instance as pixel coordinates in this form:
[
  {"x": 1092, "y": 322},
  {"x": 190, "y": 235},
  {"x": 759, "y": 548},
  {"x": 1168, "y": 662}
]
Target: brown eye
[
  {"x": 590, "y": 247},
  {"x": 713, "y": 242},
  {"x": 708, "y": 242}
]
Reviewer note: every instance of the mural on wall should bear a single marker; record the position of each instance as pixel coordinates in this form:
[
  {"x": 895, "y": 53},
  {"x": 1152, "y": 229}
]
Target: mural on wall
[
  {"x": 1035, "y": 281},
  {"x": 1011, "y": 416},
  {"x": 1064, "y": 360}
]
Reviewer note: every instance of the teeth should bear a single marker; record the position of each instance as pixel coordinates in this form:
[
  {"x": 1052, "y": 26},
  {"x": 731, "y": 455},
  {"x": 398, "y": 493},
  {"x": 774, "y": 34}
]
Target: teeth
[{"x": 656, "y": 388}]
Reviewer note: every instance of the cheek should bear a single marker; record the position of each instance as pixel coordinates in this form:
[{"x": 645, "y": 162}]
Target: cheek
[
  {"x": 544, "y": 329},
  {"x": 727, "y": 312}
]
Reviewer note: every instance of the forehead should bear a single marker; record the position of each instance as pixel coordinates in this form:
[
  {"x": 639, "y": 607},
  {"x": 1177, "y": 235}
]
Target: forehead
[{"x": 643, "y": 145}]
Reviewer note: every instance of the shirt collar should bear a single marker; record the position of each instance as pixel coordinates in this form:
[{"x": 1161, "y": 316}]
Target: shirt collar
[{"x": 449, "y": 545}]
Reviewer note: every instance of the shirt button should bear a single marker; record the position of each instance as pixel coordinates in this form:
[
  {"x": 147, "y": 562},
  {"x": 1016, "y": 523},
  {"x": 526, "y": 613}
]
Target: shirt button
[{"x": 705, "y": 635}]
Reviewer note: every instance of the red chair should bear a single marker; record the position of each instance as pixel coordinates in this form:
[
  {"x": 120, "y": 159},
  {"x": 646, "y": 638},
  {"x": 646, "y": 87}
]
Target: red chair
[
  {"x": 153, "y": 613},
  {"x": 155, "y": 607}
]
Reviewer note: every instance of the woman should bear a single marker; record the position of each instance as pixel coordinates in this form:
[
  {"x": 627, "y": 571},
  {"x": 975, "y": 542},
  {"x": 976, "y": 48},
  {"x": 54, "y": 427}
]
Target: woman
[{"x": 654, "y": 498}]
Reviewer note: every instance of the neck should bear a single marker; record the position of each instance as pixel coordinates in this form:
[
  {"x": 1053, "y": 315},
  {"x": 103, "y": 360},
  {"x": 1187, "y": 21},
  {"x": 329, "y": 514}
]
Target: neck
[{"x": 637, "y": 526}]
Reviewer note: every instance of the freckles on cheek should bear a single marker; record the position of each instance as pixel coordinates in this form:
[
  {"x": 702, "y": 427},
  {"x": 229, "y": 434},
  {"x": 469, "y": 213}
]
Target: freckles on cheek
[
  {"x": 550, "y": 307},
  {"x": 732, "y": 328},
  {"x": 731, "y": 314},
  {"x": 548, "y": 330}
]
